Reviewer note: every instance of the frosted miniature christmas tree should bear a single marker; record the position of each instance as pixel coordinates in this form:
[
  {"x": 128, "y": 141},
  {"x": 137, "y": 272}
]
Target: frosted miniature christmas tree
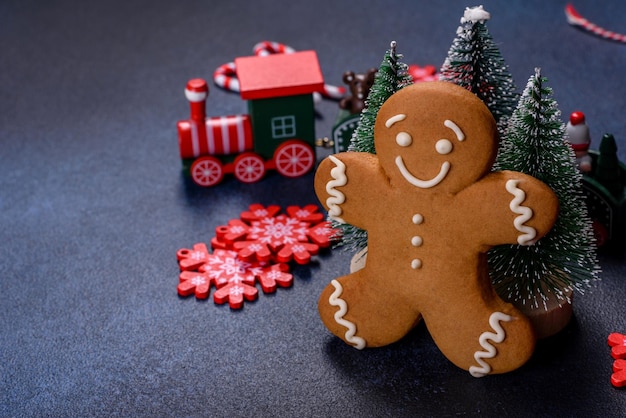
[
  {"x": 392, "y": 75},
  {"x": 475, "y": 63},
  {"x": 565, "y": 259}
]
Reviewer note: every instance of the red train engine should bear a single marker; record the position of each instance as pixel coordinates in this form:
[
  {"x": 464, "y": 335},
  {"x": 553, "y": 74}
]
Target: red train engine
[{"x": 278, "y": 133}]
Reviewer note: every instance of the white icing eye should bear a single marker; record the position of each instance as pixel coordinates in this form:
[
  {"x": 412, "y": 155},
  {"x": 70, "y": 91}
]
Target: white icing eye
[
  {"x": 443, "y": 146},
  {"x": 404, "y": 139}
]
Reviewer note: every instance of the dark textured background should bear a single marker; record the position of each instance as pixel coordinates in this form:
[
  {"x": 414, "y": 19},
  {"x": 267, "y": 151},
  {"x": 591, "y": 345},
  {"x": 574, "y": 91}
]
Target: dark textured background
[{"x": 93, "y": 208}]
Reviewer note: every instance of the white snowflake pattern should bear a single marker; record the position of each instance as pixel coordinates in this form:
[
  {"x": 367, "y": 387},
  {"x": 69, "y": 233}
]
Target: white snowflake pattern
[
  {"x": 236, "y": 290},
  {"x": 298, "y": 248},
  {"x": 278, "y": 231},
  {"x": 197, "y": 255},
  {"x": 238, "y": 229},
  {"x": 302, "y": 213},
  {"x": 198, "y": 280}
]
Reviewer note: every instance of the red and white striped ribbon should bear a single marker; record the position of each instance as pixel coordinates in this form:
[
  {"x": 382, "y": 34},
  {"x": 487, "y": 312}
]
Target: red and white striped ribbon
[
  {"x": 225, "y": 76},
  {"x": 574, "y": 18}
]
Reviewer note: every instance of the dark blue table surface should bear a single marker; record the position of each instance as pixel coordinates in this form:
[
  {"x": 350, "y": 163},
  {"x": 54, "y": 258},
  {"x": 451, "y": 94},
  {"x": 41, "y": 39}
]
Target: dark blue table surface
[{"x": 93, "y": 208}]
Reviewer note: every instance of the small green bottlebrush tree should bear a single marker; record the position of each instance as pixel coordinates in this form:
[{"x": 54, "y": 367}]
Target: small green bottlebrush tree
[
  {"x": 392, "y": 75},
  {"x": 475, "y": 63},
  {"x": 565, "y": 259}
]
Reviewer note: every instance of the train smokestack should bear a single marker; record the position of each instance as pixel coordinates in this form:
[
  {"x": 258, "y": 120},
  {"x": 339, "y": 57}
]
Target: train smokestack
[{"x": 196, "y": 92}]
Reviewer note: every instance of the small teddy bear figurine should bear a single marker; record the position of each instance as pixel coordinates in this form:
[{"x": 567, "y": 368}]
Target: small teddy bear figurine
[
  {"x": 359, "y": 85},
  {"x": 432, "y": 209}
]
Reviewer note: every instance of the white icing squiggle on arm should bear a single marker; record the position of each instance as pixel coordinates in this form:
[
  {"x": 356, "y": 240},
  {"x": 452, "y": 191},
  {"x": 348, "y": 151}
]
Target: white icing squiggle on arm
[
  {"x": 490, "y": 350},
  {"x": 335, "y": 300},
  {"x": 338, "y": 173},
  {"x": 525, "y": 213}
]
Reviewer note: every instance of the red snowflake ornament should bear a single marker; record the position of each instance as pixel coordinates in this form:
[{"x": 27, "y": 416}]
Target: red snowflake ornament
[
  {"x": 285, "y": 237},
  {"x": 191, "y": 259},
  {"x": 309, "y": 213},
  {"x": 270, "y": 236},
  {"x": 322, "y": 234},
  {"x": 258, "y": 212},
  {"x": 254, "y": 248},
  {"x": 273, "y": 276},
  {"x": 234, "y": 292},
  {"x": 193, "y": 282},
  {"x": 618, "y": 379},
  {"x": 617, "y": 342},
  {"x": 233, "y": 278},
  {"x": 234, "y": 231},
  {"x": 218, "y": 244}
]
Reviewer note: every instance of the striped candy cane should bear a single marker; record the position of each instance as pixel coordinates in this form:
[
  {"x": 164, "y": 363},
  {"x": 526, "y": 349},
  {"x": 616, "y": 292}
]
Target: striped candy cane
[
  {"x": 225, "y": 76},
  {"x": 268, "y": 47},
  {"x": 574, "y": 18}
]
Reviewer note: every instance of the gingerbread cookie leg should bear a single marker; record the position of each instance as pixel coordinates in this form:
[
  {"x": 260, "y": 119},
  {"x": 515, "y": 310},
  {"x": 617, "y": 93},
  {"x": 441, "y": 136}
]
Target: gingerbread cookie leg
[
  {"x": 493, "y": 337},
  {"x": 354, "y": 309}
]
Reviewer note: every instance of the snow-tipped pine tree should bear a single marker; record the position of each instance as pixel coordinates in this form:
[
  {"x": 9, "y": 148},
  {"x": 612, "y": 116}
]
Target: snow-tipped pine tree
[
  {"x": 565, "y": 259},
  {"x": 475, "y": 63},
  {"x": 392, "y": 75}
]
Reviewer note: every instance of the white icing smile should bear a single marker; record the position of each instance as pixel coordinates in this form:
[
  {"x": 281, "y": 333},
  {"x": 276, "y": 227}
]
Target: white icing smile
[
  {"x": 422, "y": 184},
  {"x": 443, "y": 147}
]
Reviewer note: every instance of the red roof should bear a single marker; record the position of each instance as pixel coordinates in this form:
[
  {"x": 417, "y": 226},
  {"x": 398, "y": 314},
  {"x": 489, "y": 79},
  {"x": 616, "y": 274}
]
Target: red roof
[{"x": 278, "y": 75}]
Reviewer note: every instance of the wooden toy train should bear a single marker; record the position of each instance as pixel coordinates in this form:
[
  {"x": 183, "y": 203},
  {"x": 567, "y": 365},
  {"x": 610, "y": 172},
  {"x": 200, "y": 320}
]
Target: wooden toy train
[{"x": 277, "y": 133}]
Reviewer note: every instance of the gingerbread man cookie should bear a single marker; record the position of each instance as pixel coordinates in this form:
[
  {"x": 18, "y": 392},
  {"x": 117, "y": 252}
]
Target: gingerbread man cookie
[{"x": 432, "y": 209}]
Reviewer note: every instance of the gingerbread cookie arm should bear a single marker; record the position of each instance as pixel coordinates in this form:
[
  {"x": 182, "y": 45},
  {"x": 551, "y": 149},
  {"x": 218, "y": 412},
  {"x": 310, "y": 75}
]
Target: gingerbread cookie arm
[
  {"x": 523, "y": 208},
  {"x": 345, "y": 184}
]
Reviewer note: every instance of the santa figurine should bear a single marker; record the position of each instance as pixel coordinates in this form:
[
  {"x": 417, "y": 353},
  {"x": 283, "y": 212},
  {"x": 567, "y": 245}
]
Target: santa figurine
[{"x": 578, "y": 137}]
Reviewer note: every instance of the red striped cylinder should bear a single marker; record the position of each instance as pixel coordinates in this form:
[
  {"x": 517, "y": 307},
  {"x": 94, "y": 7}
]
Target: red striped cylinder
[{"x": 217, "y": 136}]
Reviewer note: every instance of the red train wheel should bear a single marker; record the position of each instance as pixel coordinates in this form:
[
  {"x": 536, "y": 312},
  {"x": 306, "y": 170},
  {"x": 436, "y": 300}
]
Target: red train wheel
[
  {"x": 294, "y": 158},
  {"x": 249, "y": 167},
  {"x": 207, "y": 171}
]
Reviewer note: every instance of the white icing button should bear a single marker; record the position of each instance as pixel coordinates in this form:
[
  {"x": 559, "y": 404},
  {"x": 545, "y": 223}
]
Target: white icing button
[
  {"x": 417, "y": 263},
  {"x": 416, "y": 241},
  {"x": 418, "y": 219}
]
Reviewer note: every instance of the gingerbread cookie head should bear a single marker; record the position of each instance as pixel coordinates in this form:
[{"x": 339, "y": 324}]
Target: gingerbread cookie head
[{"x": 435, "y": 135}]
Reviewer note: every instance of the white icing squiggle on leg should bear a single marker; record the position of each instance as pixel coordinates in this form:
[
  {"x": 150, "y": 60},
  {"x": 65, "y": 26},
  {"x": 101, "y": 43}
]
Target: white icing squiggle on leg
[
  {"x": 490, "y": 350},
  {"x": 335, "y": 300},
  {"x": 525, "y": 213},
  {"x": 338, "y": 173}
]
